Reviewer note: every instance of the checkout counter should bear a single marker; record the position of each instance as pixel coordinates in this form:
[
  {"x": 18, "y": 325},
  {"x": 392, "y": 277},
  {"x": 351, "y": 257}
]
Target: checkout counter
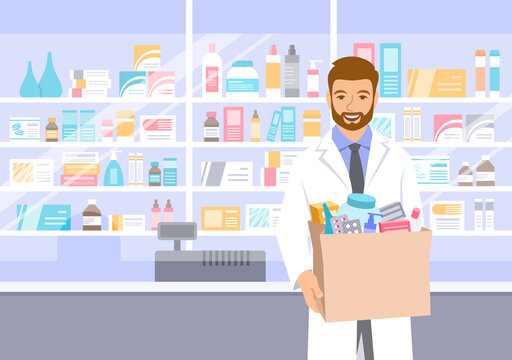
[
  {"x": 229, "y": 318},
  {"x": 224, "y": 320}
]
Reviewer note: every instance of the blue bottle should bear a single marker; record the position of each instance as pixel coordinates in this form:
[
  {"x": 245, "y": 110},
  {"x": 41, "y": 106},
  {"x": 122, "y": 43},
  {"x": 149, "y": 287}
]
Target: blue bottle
[
  {"x": 113, "y": 174},
  {"x": 328, "y": 217},
  {"x": 29, "y": 87},
  {"x": 49, "y": 83}
]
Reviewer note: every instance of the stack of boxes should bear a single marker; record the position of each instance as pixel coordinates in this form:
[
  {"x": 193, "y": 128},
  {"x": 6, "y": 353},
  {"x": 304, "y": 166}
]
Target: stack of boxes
[
  {"x": 89, "y": 83},
  {"x": 80, "y": 169},
  {"x": 278, "y": 166}
]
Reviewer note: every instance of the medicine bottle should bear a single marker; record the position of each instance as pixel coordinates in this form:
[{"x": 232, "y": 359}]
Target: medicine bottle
[
  {"x": 465, "y": 175},
  {"x": 211, "y": 127},
  {"x": 485, "y": 172},
  {"x": 91, "y": 217},
  {"x": 255, "y": 127},
  {"x": 155, "y": 175},
  {"x": 52, "y": 130}
]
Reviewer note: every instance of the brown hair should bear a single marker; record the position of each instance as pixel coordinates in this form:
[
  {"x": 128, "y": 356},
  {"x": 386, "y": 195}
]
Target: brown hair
[{"x": 353, "y": 68}]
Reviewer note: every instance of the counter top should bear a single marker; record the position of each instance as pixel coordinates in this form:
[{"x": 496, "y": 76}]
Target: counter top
[{"x": 216, "y": 287}]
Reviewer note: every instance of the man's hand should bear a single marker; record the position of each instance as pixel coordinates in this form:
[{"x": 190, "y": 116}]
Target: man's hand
[{"x": 310, "y": 289}]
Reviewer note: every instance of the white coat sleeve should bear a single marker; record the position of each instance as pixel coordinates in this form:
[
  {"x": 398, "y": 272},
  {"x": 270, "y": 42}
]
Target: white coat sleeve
[
  {"x": 293, "y": 230},
  {"x": 410, "y": 196}
]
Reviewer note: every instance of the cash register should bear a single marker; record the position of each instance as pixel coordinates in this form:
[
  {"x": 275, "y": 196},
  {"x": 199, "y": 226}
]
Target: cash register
[{"x": 204, "y": 265}]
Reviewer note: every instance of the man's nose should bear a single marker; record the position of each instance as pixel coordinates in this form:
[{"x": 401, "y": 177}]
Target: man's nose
[{"x": 350, "y": 103}]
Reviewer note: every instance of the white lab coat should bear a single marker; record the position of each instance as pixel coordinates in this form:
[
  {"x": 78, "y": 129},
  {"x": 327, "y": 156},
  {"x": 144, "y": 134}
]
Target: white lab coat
[{"x": 319, "y": 175}]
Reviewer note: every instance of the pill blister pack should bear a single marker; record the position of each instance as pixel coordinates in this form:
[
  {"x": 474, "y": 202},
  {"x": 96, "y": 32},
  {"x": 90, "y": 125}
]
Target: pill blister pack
[{"x": 341, "y": 225}]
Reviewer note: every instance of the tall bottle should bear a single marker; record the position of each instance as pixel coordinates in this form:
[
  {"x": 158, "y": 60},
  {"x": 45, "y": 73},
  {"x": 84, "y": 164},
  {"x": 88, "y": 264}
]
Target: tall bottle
[
  {"x": 273, "y": 73},
  {"x": 292, "y": 73},
  {"x": 29, "y": 86},
  {"x": 168, "y": 212},
  {"x": 156, "y": 215},
  {"x": 212, "y": 73},
  {"x": 91, "y": 216},
  {"x": 49, "y": 83},
  {"x": 255, "y": 127},
  {"x": 480, "y": 73},
  {"x": 52, "y": 130},
  {"x": 211, "y": 127}
]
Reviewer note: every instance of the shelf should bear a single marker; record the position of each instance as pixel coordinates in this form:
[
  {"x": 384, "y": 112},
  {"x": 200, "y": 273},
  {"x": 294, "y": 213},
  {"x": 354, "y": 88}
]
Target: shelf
[
  {"x": 147, "y": 233},
  {"x": 445, "y": 100},
  {"x": 249, "y": 144},
  {"x": 471, "y": 189},
  {"x": 93, "y": 189},
  {"x": 483, "y": 234},
  {"x": 430, "y": 144},
  {"x": 108, "y": 100},
  {"x": 239, "y": 189},
  {"x": 41, "y": 144},
  {"x": 259, "y": 100}
]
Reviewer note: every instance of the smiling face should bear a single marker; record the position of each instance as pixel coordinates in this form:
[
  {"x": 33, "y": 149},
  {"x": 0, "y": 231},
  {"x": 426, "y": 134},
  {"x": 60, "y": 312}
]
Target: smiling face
[{"x": 352, "y": 103}]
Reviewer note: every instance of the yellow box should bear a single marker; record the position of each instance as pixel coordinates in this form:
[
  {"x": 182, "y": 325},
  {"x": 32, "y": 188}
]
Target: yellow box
[
  {"x": 317, "y": 211},
  {"x": 220, "y": 218},
  {"x": 81, "y": 169},
  {"x": 80, "y": 84},
  {"x": 312, "y": 124},
  {"x": 436, "y": 82},
  {"x": 274, "y": 159}
]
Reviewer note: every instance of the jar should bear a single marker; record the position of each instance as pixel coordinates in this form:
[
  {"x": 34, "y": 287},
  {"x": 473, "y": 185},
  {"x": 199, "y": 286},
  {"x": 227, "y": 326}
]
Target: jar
[
  {"x": 242, "y": 80},
  {"x": 211, "y": 127},
  {"x": 155, "y": 175},
  {"x": 107, "y": 131},
  {"x": 312, "y": 125},
  {"x": 358, "y": 206},
  {"x": 52, "y": 130}
]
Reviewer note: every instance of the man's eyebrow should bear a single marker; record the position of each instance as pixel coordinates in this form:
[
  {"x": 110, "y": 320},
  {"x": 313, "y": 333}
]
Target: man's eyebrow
[
  {"x": 340, "y": 91},
  {"x": 363, "y": 91}
]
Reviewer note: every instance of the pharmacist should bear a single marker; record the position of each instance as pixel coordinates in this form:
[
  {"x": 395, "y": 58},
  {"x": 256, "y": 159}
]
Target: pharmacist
[{"x": 349, "y": 159}]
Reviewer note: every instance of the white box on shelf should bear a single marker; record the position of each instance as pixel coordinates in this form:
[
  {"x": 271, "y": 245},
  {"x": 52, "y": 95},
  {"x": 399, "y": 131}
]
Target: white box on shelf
[
  {"x": 157, "y": 128},
  {"x": 262, "y": 216},
  {"x": 31, "y": 172},
  {"x": 447, "y": 216},
  {"x": 24, "y": 129},
  {"x": 227, "y": 173}
]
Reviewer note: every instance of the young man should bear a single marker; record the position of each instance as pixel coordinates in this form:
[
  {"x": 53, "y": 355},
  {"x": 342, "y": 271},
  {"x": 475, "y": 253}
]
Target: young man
[{"x": 349, "y": 159}]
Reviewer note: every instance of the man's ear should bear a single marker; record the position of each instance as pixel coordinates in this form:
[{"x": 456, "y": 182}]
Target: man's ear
[
  {"x": 375, "y": 98},
  {"x": 328, "y": 98}
]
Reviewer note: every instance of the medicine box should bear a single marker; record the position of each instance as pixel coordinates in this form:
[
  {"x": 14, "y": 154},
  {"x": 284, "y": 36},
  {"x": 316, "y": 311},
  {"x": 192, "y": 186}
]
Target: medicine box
[{"x": 317, "y": 211}]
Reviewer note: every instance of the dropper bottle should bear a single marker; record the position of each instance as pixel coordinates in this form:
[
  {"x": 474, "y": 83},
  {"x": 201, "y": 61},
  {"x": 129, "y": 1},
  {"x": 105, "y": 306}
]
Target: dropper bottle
[
  {"x": 156, "y": 215},
  {"x": 168, "y": 212},
  {"x": 255, "y": 127}
]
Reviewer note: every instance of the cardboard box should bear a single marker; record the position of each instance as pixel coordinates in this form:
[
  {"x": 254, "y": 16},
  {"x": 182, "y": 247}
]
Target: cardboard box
[
  {"x": 317, "y": 211},
  {"x": 436, "y": 82},
  {"x": 372, "y": 276}
]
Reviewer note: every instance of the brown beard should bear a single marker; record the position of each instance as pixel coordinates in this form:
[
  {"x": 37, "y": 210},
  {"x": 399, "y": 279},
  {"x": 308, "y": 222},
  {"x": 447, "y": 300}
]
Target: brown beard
[{"x": 365, "y": 119}]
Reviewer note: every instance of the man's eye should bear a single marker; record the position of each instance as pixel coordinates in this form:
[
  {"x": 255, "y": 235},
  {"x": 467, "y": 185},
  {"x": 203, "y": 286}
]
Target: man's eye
[
  {"x": 341, "y": 97},
  {"x": 362, "y": 97}
]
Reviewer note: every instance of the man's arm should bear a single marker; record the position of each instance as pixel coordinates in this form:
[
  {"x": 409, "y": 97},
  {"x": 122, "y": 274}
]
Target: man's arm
[{"x": 293, "y": 239}]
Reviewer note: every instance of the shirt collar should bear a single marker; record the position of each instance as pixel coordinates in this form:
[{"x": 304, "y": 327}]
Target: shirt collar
[{"x": 342, "y": 142}]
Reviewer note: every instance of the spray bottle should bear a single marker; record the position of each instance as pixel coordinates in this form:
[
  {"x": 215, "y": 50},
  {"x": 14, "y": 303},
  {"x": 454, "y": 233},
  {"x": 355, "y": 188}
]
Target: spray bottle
[
  {"x": 328, "y": 217},
  {"x": 113, "y": 174},
  {"x": 370, "y": 226},
  {"x": 273, "y": 73},
  {"x": 313, "y": 79},
  {"x": 292, "y": 73}
]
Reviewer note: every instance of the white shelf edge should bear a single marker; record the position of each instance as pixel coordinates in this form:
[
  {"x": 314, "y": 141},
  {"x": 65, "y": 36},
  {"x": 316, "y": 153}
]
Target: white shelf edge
[
  {"x": 470, "y": 189},
  {"x": 94, "y": 189},
  {"x": 225, "y": 100},
  {"x": 430, "y": 144},
  {"x": 42, "y": 144},
  {"x": 249, "y": 144}
]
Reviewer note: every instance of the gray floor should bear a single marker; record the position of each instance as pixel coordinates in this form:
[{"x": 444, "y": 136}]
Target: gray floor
[{"x": 224, "y": 326}]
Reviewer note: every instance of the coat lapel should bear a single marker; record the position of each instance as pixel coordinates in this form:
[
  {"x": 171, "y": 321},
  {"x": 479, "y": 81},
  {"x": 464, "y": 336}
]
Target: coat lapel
[
  {"x": 378, "y": 151},
  {"x": 330, "y": 156}
]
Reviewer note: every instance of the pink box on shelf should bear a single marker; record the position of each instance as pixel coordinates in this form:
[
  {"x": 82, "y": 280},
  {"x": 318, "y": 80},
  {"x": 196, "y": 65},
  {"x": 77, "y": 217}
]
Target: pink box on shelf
[
  {"x": 269, "y": 176},
  {"x": 233, "y": 123},
  {"x": 79, "y": 180}
]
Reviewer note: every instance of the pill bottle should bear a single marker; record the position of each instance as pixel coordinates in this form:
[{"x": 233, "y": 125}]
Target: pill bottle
[
  {"x": 107, "y": 131},
  {"x": 358, "y": 206},
  {"x": 242, "y": 80},
  {"x": 211, "y": 127},
  {"x": 312, "y": 125},
  {"x": 91, "y": 216},
  {"x": 465, "y": 177},
  {"x": 155, "y": 175},
  {"x": 52, "y": 130}
]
